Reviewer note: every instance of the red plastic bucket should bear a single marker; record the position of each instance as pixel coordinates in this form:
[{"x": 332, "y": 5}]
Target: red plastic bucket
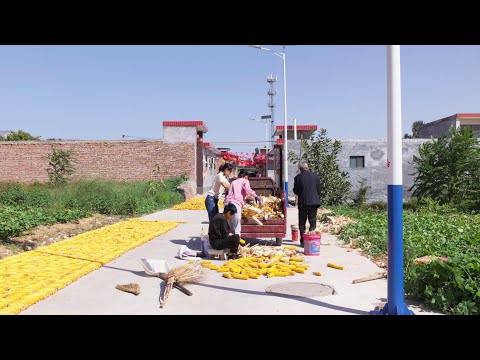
[
  {"x": 311, "y": 245},
  {"x": 294, "y": 233}
]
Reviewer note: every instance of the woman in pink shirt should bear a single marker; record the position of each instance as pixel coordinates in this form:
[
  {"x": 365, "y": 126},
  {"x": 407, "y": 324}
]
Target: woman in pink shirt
[{"x": 239, "y": 190}]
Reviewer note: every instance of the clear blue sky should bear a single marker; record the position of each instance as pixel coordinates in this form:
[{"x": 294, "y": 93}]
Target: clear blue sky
[{"x": 100, "y": 92}]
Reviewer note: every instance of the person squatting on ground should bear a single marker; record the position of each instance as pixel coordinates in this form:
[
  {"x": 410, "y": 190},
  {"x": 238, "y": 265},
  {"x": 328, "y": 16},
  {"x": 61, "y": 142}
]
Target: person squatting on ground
[
  {"x": 239, "y": 190},
  {"x": 218, "y": 231},
  {"x": 307, "y": 186},
  {"x": 220, "y": 183}
]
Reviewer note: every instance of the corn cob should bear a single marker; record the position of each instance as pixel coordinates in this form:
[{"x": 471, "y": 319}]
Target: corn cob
[
  {"x": 339, "y": 267},
  {"x": 296, "y": 259},
  {"x": 240, "y": 276},
  {"x": 242, "y": 242},
  {"x": 318, "y": 273},
  {"x": 290, "y": 247},
  {"x": 227, "y": 275}
]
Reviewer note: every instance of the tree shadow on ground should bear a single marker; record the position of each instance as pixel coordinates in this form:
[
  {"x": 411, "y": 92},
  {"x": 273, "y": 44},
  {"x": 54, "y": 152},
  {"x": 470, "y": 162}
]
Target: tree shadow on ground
[{"x": 297, "y": 298}]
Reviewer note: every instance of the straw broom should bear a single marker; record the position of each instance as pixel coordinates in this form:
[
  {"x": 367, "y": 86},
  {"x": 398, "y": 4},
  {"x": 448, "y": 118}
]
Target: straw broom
[{"x": 185, "y": 274}]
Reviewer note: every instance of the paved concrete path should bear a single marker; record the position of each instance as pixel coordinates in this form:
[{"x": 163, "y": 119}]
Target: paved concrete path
[{"x": 95, "y": 293}]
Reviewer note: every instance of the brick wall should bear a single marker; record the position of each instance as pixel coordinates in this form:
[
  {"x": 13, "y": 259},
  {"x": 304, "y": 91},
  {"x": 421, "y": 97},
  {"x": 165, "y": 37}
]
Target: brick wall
[{"x": 117, "y": 160}]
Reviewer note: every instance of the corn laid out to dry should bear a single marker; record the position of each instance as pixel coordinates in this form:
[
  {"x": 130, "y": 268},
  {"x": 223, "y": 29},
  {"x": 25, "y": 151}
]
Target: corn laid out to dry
[
  {"x": 34, "y": 275},
  {"x": 196, "y": 203},
  {"x": 252, "y": 267}
]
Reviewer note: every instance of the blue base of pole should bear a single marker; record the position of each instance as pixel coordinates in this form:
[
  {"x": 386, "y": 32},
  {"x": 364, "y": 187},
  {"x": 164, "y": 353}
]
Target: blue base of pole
[
  {"x": 286, "y": 194},
  {"x": 397, "y": 310},
  {"x": 395, "y": 304}
]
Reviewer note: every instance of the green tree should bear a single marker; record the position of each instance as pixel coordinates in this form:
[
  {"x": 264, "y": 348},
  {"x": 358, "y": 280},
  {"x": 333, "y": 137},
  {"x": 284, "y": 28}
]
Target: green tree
[
  {"x": 321, "y": 155},
  {"x": 448, "y": 170},
  {"x": 61, "y": 164},
  {"x": 415, "y": 128},
  {"x": 20, "y": 135}
]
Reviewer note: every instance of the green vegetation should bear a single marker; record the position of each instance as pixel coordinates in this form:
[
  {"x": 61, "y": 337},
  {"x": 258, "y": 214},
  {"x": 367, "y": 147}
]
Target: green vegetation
[
  {"x": 415, "y": 129},
  {"x": 20, "y": 135},
  {"x": 429, "y": 229},
  {"x": 448, "y": 170},
  {"x": 61, "y": 163},
  {"x": 321, "y": 155},
  {"x": 24, "y": 206}
]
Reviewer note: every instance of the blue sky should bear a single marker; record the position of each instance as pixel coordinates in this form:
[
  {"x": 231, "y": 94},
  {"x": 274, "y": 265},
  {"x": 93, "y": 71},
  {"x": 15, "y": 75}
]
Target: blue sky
[{"x": 101, "y": 92}]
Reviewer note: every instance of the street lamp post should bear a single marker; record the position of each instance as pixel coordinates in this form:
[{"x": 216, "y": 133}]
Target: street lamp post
[
  {"x": 265, "y": 118},
  {"x": 285, "y": 142},
  {"x": 395, "y": 299}
]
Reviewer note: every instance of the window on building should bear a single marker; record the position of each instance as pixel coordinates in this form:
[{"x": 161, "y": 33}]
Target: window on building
[{"x": 357, "y": 162}]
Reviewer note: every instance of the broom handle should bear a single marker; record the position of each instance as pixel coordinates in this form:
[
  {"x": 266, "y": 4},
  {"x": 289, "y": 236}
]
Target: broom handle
[{"x": 176, "y": 285}]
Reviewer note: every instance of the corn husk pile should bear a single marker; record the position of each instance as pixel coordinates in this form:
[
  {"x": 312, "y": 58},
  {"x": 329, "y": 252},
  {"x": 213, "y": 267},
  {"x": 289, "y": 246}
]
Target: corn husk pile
[
  {"x": 269, "y": 261},
  {"x": 333, "y": 224},
  {"x": 271, "y": 208},
  {"x": 266, "y": 251}
]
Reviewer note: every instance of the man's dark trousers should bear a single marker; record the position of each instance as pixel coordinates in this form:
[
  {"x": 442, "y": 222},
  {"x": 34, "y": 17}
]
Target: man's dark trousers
[{"x": 307, "y": 212}]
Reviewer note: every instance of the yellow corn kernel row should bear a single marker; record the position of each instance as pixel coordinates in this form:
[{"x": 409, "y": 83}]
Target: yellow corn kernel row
[{"x": 339, "y": 267}]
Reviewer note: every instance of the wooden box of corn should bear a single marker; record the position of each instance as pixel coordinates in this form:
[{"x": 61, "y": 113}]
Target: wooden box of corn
[{"x": 266, "y": 220}]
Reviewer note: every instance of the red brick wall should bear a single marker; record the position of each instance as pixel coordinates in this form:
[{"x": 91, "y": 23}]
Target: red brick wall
[{"x": 116, "y": 160}]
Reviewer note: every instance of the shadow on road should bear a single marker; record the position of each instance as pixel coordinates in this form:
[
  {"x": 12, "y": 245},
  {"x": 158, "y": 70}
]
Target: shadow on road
[
  {"x": 194, "y": 242},
  {"x": 297, "y": 298}
]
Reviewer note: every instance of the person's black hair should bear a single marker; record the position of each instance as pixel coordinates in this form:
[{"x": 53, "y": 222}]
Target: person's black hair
[
  {"x": 226, "y": 166},
  {"x": 242, "y": 173},
  {"x": 232, "y": 209}
]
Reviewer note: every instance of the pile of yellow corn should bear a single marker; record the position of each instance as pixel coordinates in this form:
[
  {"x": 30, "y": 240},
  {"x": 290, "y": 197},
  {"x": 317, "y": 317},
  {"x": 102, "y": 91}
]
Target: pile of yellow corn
[
  {"x": 196, "y": 203},
  {"x": 253, "y": 267},
  {"x": 34, "y": 275}
]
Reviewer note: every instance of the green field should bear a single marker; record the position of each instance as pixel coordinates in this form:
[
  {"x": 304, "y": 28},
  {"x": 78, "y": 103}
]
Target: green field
[
  {"x": 453, "y": 286},
  {"x": 24, "y": 207}
]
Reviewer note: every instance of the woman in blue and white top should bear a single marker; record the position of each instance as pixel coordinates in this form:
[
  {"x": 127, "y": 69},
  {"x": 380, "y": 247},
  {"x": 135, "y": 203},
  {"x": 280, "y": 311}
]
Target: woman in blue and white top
[{"x": 220, "y": 183}]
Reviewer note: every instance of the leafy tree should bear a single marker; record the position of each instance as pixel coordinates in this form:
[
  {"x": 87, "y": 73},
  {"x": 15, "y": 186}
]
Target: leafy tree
[
  {"x": 415, "y": 128},
  {"x": 360, "y": 197},
  {"x": 448, "y": 170},
  {"x": 321, "y": 156},
  {"x": 20, "y": 135},
  {"x": 61, "y": 164}
]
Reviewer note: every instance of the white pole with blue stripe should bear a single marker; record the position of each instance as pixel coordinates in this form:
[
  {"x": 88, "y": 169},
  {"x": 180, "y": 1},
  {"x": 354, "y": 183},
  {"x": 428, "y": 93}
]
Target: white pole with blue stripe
[{"x": 395, "y": 299}]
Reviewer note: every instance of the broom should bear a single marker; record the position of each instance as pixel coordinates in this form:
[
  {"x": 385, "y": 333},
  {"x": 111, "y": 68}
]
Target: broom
[
  {"x": 130, "y": 288},
  {"x": 185, "y": 274}
]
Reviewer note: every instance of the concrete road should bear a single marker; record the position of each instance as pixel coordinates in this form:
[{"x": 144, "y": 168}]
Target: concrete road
[{"x": 95, "y": 293}]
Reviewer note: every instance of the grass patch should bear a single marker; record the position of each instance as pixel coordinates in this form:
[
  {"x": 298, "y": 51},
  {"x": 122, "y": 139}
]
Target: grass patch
[
  {"x": 24, "y": 206},
  {"x": 430, "y": 229}
]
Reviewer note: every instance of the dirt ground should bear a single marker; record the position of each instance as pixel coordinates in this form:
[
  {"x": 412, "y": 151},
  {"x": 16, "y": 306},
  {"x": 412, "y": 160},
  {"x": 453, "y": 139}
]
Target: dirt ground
[{"x": 44, "y": 235}]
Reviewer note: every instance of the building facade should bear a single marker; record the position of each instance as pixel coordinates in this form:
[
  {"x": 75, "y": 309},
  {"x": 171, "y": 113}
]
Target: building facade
[{"x": 438, "y": 127}]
